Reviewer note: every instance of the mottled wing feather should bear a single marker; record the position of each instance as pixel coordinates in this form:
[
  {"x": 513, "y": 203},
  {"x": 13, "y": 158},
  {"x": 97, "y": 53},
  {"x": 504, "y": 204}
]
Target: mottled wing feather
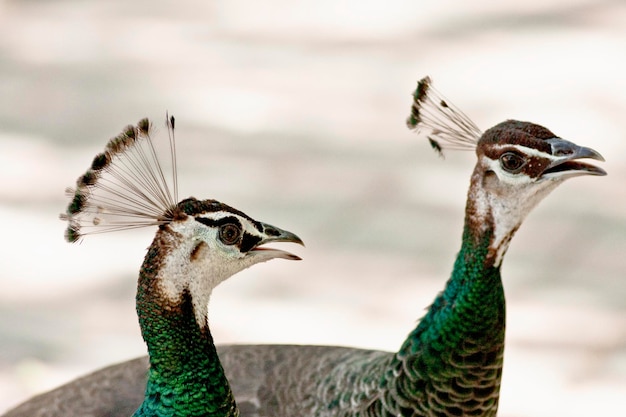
[
  {"x": 277, "y": 380},
  {"x": 267, "y": 380}
]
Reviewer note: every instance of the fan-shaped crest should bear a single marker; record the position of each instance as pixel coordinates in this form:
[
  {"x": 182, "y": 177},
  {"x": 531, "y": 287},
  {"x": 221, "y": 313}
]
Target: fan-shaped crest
[
  {"x": 125, "y": 187},
  {"x": 445, "y": 126}
]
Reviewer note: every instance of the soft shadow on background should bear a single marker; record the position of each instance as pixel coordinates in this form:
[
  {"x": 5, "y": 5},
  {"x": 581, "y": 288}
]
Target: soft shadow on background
[{"x": 295, "y": 115}]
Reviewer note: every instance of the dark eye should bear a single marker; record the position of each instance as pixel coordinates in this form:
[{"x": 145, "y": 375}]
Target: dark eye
[
  {"x": 512, "y": 162},
  {"x": 229, "y": 233}
]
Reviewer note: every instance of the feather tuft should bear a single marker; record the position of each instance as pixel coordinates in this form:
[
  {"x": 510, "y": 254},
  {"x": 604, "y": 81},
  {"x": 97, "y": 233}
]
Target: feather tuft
[
  {"x": 78, "y": 203},
  {"x": 72, "y": 233},
  {"x": 436, "y": 146},
  {"x": 144, "y": 126},
  {"x": 89, "y": 178},
  {"x": 101, "y": 161}
]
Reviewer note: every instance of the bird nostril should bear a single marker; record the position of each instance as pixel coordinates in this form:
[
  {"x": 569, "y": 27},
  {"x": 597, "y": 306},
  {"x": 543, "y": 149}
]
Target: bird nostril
[
  {"x": 562, "y": 152},
  {"x": 561, "y": 147},
  {"x": 271, "y": 231}
]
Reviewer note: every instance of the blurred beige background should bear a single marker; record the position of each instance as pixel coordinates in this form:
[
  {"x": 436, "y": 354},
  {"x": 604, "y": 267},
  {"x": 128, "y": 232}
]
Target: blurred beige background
[{"x": 294, "y": 113}]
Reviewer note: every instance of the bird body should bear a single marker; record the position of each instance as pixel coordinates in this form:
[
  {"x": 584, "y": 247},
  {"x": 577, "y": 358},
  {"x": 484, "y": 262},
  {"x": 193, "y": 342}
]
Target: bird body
[{"x": 451, "y": 363}]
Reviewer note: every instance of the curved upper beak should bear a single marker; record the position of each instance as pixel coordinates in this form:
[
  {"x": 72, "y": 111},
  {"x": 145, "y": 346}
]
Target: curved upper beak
[
  {"x": 567, "y": 162},
  {"x": 275, "y": 234}
]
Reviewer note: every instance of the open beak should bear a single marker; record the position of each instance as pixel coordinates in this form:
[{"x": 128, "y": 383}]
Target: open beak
[
  {"x": 567, "y": 160},
  {"x": 274, "y": 234}
]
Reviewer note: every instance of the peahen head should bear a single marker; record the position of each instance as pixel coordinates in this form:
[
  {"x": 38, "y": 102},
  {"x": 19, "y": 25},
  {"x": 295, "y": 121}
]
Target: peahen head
[
  {"x": 199, "y": 243},
  {"x": 518, "y": 164},
  {"x": 207, "y": 243}
]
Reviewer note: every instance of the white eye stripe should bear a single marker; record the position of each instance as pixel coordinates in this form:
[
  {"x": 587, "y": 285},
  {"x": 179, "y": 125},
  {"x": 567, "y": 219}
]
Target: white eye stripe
[
  {"x": 245, "y": 222},
  {"x": 528, "y": 151},
  {"x": 219, "y": 219}
]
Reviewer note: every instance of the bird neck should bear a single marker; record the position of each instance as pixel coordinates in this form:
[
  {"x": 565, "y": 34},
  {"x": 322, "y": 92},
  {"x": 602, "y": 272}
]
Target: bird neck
[
  {"x": 472, "y": 302},
  {"x": 469, "y": 311},
  {"x": 185, "y": 377},
  {"x": 454, "y": 356}
]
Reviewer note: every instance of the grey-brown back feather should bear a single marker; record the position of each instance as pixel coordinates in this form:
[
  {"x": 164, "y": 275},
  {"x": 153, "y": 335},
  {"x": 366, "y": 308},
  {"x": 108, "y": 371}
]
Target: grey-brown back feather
[
  {"x": 110, "y": 392},
  {"x": 267, "y": 380}
]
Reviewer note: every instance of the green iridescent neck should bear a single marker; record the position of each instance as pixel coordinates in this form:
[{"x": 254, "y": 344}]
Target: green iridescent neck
[
  {"x": 472, "y": 303},
  {"x": 452, "y": 361},
  {"x": 186, "y": 377}
]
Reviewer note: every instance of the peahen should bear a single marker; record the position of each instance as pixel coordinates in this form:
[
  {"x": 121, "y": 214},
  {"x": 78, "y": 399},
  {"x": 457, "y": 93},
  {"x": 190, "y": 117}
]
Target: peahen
[
  {"x": 451, "y": 363},
  {"x": 199, "y": 244}
]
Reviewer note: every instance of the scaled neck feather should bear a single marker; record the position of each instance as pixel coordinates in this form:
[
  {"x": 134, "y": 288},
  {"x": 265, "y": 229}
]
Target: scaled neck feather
[{"x": 452, "y": 362}]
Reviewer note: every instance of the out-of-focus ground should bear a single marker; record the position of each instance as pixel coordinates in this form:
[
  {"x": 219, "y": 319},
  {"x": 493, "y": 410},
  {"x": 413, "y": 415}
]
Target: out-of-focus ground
[{"x": 294, "y": 113}]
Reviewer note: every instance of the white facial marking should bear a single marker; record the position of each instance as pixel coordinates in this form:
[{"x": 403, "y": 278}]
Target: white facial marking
[
  {"x": 213, "y": 262},
  {"x": 507, "y": 199},
  {"x": 510, "y": 178},
  {"x": 529, "y": 151}
]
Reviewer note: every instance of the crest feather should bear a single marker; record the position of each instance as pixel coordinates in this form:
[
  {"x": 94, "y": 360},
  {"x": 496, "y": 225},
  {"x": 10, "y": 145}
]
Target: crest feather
[
  {"x": 443, "y": 124},
  {"x": 125, "y": 187}
]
